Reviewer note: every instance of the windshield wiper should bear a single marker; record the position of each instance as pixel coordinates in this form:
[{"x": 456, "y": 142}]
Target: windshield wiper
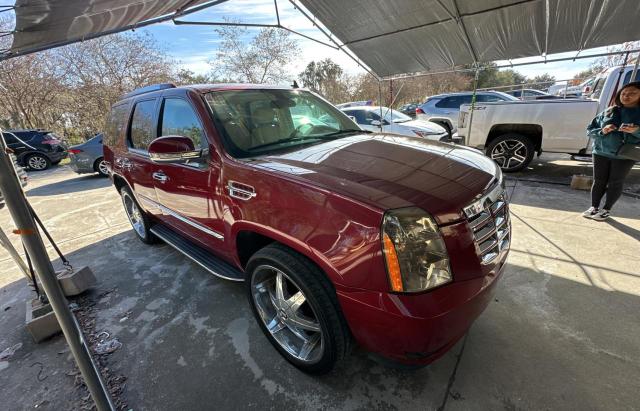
[
  {"x": 347, "y": 131},
  {"x": 284, "y": 140},
  {"x": 329, "y": 136}
]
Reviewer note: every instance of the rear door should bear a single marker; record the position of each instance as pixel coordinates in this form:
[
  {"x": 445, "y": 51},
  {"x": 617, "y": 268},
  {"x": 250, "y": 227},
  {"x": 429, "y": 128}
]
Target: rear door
[
  {"x": 189, "y": 193},
  {"x": 136, "y": 165}
]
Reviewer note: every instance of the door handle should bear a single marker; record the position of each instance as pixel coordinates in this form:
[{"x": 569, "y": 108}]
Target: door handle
[{"x": 160, "y": 176}]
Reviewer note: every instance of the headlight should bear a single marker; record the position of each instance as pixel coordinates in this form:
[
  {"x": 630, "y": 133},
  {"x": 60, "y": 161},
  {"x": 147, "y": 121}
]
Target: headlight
[{"x": 414, "y": 251}]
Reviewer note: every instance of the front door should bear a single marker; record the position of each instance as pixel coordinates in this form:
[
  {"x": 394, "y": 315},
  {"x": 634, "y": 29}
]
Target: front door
[{"x": 186, "y": 192}]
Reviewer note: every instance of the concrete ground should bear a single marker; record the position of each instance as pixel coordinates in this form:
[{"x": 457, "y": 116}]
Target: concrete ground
[{"x": 562, "y": 333}]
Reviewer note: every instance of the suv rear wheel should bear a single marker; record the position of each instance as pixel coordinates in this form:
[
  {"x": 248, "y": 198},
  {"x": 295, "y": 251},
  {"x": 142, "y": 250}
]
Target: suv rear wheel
[
  {"x": 138, "y": 219},
  {"x": 297, "y": 309},
  {"x": 512, "y": 152},
  {"x": 37, "y": 162}
]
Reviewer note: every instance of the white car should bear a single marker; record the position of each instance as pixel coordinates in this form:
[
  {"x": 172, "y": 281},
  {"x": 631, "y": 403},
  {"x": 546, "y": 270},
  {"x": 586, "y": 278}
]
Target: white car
[{"x": 392, "y": 121}]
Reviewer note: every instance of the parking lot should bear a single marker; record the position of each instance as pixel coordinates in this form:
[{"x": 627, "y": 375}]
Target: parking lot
[{"x": 562, "y": 332}]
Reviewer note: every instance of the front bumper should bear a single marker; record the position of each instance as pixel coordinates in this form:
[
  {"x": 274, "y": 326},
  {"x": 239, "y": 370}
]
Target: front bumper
[{"x": 417, "y": 329}]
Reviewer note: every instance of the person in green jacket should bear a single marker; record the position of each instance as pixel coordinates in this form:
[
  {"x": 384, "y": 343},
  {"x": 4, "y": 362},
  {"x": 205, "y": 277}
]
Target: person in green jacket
[{"x": 617, "y": 125}]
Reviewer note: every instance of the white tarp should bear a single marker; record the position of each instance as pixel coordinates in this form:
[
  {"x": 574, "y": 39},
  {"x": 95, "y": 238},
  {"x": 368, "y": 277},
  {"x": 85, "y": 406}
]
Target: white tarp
[
  {"x": 47, "y": 23},
  {"x": 410, "y": 36}
]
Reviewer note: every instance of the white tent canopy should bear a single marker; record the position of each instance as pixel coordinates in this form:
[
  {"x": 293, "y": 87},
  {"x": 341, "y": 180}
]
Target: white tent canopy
[
  {"x": 397, "y": 37},
  {"x": 42, "y": 24}
]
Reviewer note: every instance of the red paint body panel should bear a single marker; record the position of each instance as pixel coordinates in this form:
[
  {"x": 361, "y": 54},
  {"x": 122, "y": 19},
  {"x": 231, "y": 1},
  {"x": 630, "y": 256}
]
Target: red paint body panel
[{"x": 327, "y": 202}]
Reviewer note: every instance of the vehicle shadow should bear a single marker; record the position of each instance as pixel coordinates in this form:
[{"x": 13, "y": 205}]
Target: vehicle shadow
[
  {"x": 74, "y": 185},
  {"x": 559, "y": 169}
]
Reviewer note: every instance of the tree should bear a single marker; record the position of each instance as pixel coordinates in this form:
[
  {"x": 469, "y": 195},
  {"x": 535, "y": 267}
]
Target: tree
[
  {"x": 542, "y": 82},
  {"x": 185, "y": 76},
  {"x": 326, "y": 78},
  {"x": 261, "y": 60}
]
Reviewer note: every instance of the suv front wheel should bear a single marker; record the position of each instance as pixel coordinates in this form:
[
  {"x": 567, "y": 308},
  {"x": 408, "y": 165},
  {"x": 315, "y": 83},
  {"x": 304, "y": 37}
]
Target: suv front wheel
[{"x": 297, "y": 309}]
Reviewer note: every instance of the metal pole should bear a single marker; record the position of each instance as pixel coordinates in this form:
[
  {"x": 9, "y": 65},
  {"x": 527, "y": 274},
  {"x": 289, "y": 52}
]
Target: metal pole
[
  {"x": 473, "y": 101},
  {"x": 635, "y": 68},
  {"x": 19, "y": 209},
  {"x": 380, "y": 103}
]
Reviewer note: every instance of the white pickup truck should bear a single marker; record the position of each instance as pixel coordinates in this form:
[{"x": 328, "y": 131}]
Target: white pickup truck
[{"x": 511, "y": 132}]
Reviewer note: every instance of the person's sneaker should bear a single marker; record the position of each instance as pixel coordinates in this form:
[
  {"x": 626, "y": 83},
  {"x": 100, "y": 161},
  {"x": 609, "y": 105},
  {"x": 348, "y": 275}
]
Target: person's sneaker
[
  {"x": 601, "y": 215},
  {"x": 590, "y": 212}
]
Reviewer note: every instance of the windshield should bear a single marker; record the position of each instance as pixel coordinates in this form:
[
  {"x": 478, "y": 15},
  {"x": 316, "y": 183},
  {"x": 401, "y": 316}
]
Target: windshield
[
  {"x": 259, "y": 122},
  {"x": 393, "y": 116}
]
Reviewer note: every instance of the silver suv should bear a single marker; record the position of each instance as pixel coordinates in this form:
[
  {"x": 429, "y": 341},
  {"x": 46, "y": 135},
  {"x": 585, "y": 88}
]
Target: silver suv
[{"x": 444, "y": 109}]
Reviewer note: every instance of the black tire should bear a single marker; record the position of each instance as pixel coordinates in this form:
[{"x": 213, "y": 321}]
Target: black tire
[
  {"x": 319, "y": 294},
  {"x": 140, "y": 222},
  {"x": 512, "y": 152},
  {"x": 99, "y": 169},
  {"x": 37, "y": 162},
  {"x": 55, "y": 163}
]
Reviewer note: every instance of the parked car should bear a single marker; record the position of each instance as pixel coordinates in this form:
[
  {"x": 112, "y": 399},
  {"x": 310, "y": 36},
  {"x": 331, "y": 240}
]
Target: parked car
[
  {"x": 369, "y": 118},
  {"x": 35, "y": 149},
  {"x": 511, "y": 133},
  {"x": 409, "y": 109},
  {"x": 396, "y": 242},
  {"x": 87, "y": 157},
  {"x": 444, "y": 109},
  {"x": 530, "y": 94}
]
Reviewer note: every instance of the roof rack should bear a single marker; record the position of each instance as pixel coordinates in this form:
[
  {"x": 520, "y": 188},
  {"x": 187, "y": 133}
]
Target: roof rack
[{"x": 149, "y": 89}]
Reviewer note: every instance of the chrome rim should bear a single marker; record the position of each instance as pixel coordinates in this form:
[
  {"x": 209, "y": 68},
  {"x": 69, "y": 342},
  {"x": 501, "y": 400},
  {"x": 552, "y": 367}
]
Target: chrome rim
[
  {"x": 37, "y": 163},
  {"x": 509, "y": 154},
  {"x": 102, "y": 167},
  {"x": 134, "y": 214},
  {"x": 286, "y": 313}
]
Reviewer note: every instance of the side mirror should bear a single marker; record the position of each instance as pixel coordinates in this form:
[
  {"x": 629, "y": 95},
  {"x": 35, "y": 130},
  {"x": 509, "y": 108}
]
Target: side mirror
[
  {"x": 376, "y": 123},
  {"x": 173, "y": 149}
]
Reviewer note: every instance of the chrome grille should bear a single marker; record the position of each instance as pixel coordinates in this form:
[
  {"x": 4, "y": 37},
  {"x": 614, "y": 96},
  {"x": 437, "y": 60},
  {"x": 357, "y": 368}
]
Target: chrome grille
[{"x": 491, "y": 229}]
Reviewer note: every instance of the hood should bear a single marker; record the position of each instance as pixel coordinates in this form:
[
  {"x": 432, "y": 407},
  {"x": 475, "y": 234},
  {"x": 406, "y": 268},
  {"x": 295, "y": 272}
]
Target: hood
[
  {"x": 390, "y": 171},
  {"x": 427, "y": 126}
]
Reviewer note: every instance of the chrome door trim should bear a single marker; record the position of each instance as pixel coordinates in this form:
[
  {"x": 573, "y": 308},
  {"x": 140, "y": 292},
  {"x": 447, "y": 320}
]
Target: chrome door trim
[{"x": 184, "y": 219}]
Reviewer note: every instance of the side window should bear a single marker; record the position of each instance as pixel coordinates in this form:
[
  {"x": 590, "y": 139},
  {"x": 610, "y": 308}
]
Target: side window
[
  {"x": 487, "y": 98},
  {"x": 445, "y": 102},
  {"x": 358, "y": 114},
  {"x": 179, "y": 119},
  {"x": 9, "y": 138},
  {"x": 141, "y": 131},
  {"x": 627, "y": 77}
]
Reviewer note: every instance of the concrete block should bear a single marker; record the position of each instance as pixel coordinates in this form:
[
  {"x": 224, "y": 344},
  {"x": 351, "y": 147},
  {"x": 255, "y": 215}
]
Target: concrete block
[
  {"x": 41, "y": 321},
  {"x": 581, "y": 182},
  {"x": 77, "y": 281}
]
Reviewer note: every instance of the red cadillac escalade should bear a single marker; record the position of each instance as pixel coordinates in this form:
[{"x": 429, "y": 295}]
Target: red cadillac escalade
[{"x": 340, "y": 235}]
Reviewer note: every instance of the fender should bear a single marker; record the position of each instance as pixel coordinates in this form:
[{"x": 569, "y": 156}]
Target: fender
[{"x": 286, "y": 239}]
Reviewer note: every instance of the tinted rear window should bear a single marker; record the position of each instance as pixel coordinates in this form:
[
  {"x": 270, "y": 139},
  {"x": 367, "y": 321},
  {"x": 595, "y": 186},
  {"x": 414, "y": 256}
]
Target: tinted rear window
[
  {"x": 141, "y": 132},
  {"x": 115, "y": 123}
]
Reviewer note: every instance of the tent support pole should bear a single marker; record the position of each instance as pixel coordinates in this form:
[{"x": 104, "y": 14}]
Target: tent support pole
[
  {"x": 635, "y": 68},
  {"x": 23, "y": 219},
  {"x": 380, "y": 103},
  {"x": 473, "y": 99}
]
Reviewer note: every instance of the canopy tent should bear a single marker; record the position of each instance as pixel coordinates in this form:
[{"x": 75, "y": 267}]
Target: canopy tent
[
  {"x": 413, "y": 36},
  {"x": 43, "y": 24}
]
